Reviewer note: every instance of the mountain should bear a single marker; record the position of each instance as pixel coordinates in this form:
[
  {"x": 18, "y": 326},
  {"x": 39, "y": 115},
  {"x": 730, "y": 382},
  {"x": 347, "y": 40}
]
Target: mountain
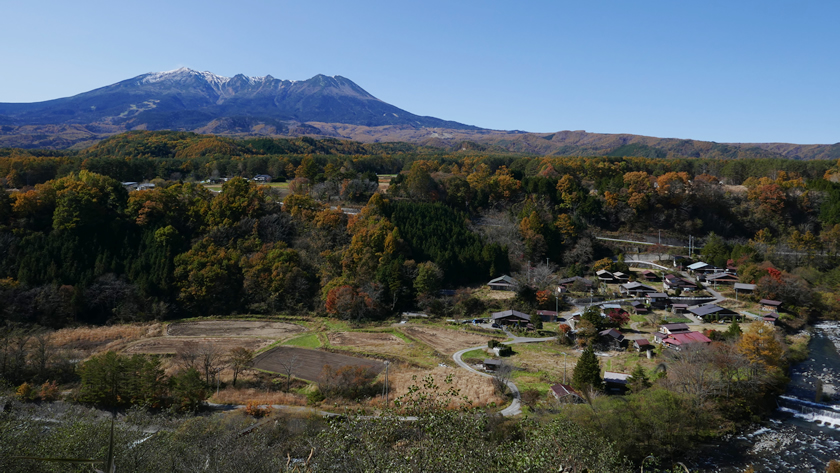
[
  {"x": 322, "y": 106},
  {"x": 185, "y": 99}
]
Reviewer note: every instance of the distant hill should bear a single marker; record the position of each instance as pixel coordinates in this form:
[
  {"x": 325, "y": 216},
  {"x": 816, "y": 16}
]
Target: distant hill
[{"x": 335, "y": 107}]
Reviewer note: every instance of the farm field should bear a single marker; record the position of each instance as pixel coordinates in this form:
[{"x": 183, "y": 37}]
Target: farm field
[
  {"x": 170, "y": 345},
  {"x": 234, "y": 328},
  {"x": 369, "y": 341},
  {"x": 446, "y": 341},
  {"x": 310, "y": 363}
]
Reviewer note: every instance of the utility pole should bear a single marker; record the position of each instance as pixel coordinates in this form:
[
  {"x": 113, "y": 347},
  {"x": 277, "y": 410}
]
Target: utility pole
[
  {"x": 564, "y": 367},
  {"x": 387, "y": 364}
]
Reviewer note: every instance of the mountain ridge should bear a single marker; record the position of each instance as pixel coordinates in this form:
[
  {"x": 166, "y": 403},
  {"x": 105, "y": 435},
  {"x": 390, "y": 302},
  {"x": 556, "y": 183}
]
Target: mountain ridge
[{"x": 321, "y": 106}]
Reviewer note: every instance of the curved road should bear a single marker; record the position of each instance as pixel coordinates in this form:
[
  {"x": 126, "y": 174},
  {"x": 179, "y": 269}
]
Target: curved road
[{"x": 515, "y": 407}]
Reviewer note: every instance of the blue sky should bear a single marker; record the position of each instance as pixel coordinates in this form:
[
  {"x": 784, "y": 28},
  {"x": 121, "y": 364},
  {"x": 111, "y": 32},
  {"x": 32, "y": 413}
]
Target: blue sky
[{"x": 745, "y": 71}]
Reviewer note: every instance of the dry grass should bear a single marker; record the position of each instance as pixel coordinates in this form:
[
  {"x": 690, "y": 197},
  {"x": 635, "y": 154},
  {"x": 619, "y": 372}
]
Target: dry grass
[
  {"x": 479, "y": 389},
  {"x": 169, "y": 345},
  {"x": 368, "y": 341},
  {"x": 231, "y": 395},
  {"x": 445, "y": 341},
  {"x": 487, "y": 293},
  {"x": 92, "y": 340}
]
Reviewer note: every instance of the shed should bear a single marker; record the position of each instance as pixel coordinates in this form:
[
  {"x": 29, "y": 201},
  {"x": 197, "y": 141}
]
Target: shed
[
  {"x": 642, "y": 344},
  {"x": 679, "y": 308},
  {"x": 568, "y": 282},
  {"x": 547, "y": 315},
  {"x": 502, "y": 283},
  {"x": 649, "y": 276},
  {"x": 491, "y": 364},
  {"x": 566, "y": 394},
  {"x": 616, "y": 382},
  {"x": 770, "y": 305},
  {"x": 745, "y": 288}
]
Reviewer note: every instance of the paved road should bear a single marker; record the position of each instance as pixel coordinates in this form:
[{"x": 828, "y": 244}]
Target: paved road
[{"x": 515, "y": 407}]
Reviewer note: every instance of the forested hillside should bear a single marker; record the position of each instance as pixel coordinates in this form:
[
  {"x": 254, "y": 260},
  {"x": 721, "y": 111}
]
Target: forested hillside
[{"x": 78, "y": 247}]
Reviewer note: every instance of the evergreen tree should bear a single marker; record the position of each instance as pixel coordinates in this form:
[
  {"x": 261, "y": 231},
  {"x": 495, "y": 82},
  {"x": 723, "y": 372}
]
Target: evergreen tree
[
  {"x": 639, "y": 380},
  {"x": 734, "y": 329},
  {"x": 587, "y": 373}
]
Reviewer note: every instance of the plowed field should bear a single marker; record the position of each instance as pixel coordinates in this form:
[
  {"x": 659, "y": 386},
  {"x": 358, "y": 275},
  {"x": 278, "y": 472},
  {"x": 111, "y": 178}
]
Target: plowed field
[
  {"x": 169, "y": 345},
  {"x": 309, "y": 363},
  {"x": 234, "y": 328}
]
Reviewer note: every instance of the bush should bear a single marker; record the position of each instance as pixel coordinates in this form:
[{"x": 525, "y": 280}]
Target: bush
[
  {"x": 349, "y": 382},
  {"x": 49, "y": 391},
  {"x": 25, "y": 392},
  {"x": 505, "y": 350},
  {"x": 253, "y": 408}
]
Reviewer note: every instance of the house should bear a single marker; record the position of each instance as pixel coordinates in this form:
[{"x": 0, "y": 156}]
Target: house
[
  {"x": 569, "y": 282},
  {"x": 616, "y": 382},
  {"x": 491, "y": 364},
  {"x": 674, "y": 282},
  {"x": 712, "y": 312},
  {"x": 642, "y": 344},
  {"x": 678, "y": 341},
  {"x": 659, "y": 337},
  {"x": 696, "y": 266},
  {"x": 511, "y": 317},
  {"x": 605, "y": 276},
  {"x": 649, "y": 276},
  {"x": 669, "y": 329},
  {"x": 502, "y": 283},
  {"x": 130, "y": 185},
  {"x": 771, "y": 318},
  {"x": 620, "y": 277},
  {"x": 639, "y": 307},
  {"x": 658, "y": 299},
  {"x": 612, "y": 339},
  {"x": 635, "y": 288},
  {"x": 262, "y": 178},
  {"x": 722, "y": 278},
  {"x": 566, "y": 394},
  {"x": 547, "y": 315},
  {"x": 679, "y": 308},
  {"x": 145, "y": 186},
  {"x": 770, "y": 305}
]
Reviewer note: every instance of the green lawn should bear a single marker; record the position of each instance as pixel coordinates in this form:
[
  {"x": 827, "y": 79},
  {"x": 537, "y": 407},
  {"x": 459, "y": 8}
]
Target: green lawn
[{"x": 310, "y": 340}]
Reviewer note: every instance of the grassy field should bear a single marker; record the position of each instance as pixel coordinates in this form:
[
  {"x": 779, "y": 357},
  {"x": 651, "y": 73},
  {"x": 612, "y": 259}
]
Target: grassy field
[{"x": 310, "y": 340}]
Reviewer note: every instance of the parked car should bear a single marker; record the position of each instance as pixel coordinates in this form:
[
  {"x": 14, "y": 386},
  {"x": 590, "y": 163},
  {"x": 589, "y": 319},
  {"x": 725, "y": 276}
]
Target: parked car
[{"x": 495, "y": 325}]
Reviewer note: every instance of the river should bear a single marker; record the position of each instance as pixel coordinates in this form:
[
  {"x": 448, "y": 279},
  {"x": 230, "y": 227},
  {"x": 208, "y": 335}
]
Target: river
[{"x": 801, "y": 436}]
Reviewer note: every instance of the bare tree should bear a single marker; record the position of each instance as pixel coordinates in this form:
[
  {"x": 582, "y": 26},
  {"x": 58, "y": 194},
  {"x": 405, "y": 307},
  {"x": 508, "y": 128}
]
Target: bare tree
[
  {"x": 289, "y": 364},
  {"x": 210, "y": 359},
  {"x": 186, "y": 355},
  {"x": 240, "y": 359},
  {"x": 501, "y": 376},
  {"x": 42, "y": 353}
]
